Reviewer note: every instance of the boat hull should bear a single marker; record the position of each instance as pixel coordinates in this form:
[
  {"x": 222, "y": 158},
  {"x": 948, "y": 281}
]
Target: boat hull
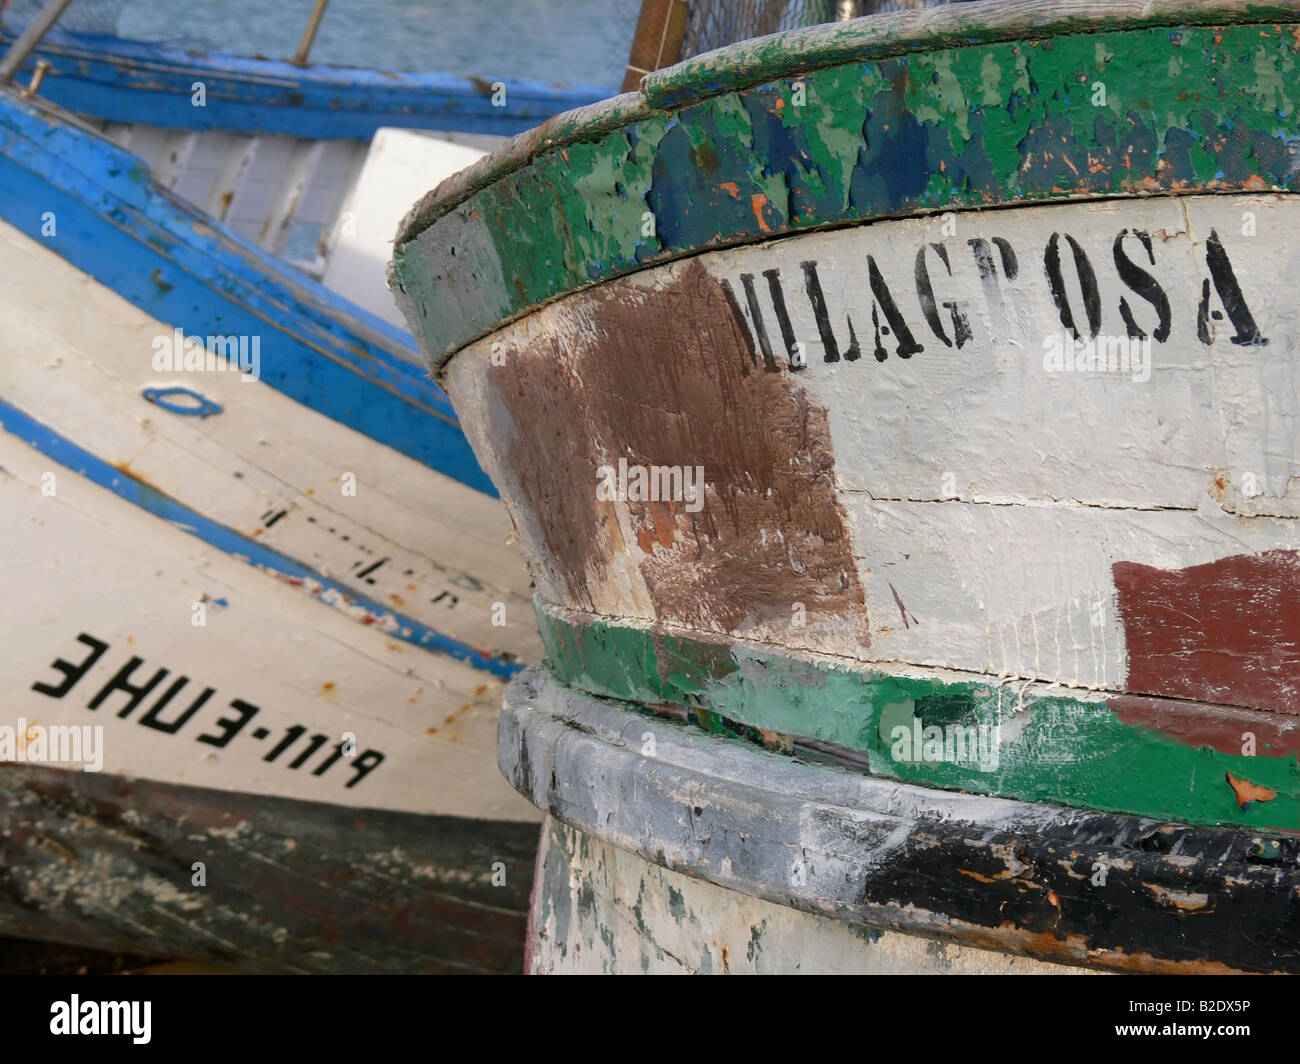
[
  {"x": 256, "y": 656},
  {"x": 924, "y": 410}
]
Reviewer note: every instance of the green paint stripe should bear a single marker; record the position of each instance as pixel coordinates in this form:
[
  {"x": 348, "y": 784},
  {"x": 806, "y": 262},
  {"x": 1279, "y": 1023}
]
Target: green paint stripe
[
  {"x": 1184, "y": 110},
  {"x": 1050, "y": 747}
]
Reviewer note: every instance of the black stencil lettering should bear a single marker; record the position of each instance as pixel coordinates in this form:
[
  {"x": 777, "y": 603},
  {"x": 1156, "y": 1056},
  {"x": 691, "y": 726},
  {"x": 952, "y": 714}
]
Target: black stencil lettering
[
  {"x": 929, "y": 308},
  {"x": 120, "y": 683},
  {"x": 830, "y": 347},
  {"x": 782, "y": 314},
  {"x": 231, "y": 726},
  {"x": 760, "y": 329},
  {"x": 364, "y": 765},
  {"x": 72, "y": 673},
  {"x": 1087, "y": 282},
  {"x": 1142, "y": 284},
  {"x": 748, "y": 336},
  {"x": 1225, "y": 283},
  {"x": 152, "y": 719},
  {"x": 884, "y": 301}
]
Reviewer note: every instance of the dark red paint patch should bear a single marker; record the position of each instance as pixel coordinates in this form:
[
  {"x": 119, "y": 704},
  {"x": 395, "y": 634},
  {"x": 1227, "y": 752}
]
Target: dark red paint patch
[{"x": 1227, "y": 631}]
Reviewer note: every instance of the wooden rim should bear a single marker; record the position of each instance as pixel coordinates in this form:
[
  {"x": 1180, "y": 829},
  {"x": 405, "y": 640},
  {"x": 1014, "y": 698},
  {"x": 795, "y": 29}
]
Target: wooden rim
[{"x": 598, "y": 194}]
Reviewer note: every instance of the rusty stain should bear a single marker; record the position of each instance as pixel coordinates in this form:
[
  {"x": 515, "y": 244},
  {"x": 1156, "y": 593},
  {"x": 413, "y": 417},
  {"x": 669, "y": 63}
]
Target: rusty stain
[{"x": 327, "y": 688}]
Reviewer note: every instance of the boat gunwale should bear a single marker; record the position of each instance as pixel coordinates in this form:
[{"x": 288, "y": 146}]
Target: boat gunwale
[{"x": 872, "y": 37}]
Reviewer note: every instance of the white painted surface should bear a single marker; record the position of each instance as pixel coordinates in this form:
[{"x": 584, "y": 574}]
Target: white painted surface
[
  {"x": 85, "y": 561},
  {"x": 401, "y": 167},
  {"x": 991, "y": 494},
  {"x": 76, "y": 358}
]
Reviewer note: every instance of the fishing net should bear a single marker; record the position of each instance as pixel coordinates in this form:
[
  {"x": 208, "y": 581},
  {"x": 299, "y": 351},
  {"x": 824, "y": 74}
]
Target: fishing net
[
  {"x": 713, "y": 23},
  {"x": 83, "y": 16}
]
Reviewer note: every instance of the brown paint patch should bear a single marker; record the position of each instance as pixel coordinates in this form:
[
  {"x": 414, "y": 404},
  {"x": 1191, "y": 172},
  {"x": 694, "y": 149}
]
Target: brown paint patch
[
  {"x": 664, "y": 377},
  {"x": 1227, "y": 631},
  {"x": 1218, "y": 727}
]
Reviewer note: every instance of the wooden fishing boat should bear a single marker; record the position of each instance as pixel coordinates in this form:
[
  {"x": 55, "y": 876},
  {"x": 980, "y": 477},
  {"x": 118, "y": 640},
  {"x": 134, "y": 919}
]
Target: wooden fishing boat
[
  {"x": 898, "y": 418},
  {"x": 306, "y": 161},
  {"x": 262, "y": 601}
]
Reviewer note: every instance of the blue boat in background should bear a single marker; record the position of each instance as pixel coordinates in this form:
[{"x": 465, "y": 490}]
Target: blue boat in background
[
  {"x": 312, "y": 163},
  {"x": 135, "y": 81}
]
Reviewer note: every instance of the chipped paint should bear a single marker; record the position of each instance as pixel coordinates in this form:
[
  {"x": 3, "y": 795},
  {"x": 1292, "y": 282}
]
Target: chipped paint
[
  {"x": 1051, "y": 744},
  {"x": 1016, "y": 527},
  {"x": 881, "y": 138},
  {"x": 865, "y": 856}
]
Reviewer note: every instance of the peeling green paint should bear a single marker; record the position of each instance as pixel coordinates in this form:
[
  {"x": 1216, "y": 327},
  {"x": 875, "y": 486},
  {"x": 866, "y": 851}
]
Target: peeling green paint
[
  {"x": 1052, "y": 746},
  {"x": 1187, "y": 108}
]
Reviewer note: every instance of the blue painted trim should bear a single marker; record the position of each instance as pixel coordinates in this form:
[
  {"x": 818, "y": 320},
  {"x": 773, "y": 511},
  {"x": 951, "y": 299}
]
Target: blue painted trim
[
  {"x": 188, "y": 271},
  {"x": 68, "y": 454},
  {"x": 201, "y": 407},
  {"x": 138, "y": 81}
]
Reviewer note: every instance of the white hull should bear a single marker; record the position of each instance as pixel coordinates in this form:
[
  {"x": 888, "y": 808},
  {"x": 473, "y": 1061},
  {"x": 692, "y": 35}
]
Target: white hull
[{"x": 81, "y": 559}]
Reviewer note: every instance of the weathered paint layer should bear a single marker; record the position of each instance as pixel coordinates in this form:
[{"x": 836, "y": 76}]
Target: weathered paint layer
[
  {"x": 116, "y": 225},
  {"x": 1070, "y": 886},
  {"x": 599, "y": 910},
  {"x": 1185, "y": 108},
  {"x": 931, "y": 442},
  {"x": 1033, "y": 741},
  {"x": 1226, "y": 631},
  {"x": 614, "y": 397}
]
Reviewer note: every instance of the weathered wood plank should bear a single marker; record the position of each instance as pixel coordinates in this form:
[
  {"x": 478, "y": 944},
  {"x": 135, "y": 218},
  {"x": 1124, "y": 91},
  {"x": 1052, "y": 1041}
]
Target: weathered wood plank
[
  {"x": 164, "y": 640},
  {"x": 1163, "y": 757},
  {"x": 420, "y": 544},
  {"x": 113, "y": 863},
  {"x": 944, "y": 493}
]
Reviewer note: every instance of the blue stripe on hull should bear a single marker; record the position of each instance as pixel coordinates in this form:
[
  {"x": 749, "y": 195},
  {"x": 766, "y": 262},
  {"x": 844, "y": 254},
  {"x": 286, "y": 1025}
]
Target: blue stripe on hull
[
  {"x": 187, "y": 271},
  {"x": 68, "y": 454}
]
